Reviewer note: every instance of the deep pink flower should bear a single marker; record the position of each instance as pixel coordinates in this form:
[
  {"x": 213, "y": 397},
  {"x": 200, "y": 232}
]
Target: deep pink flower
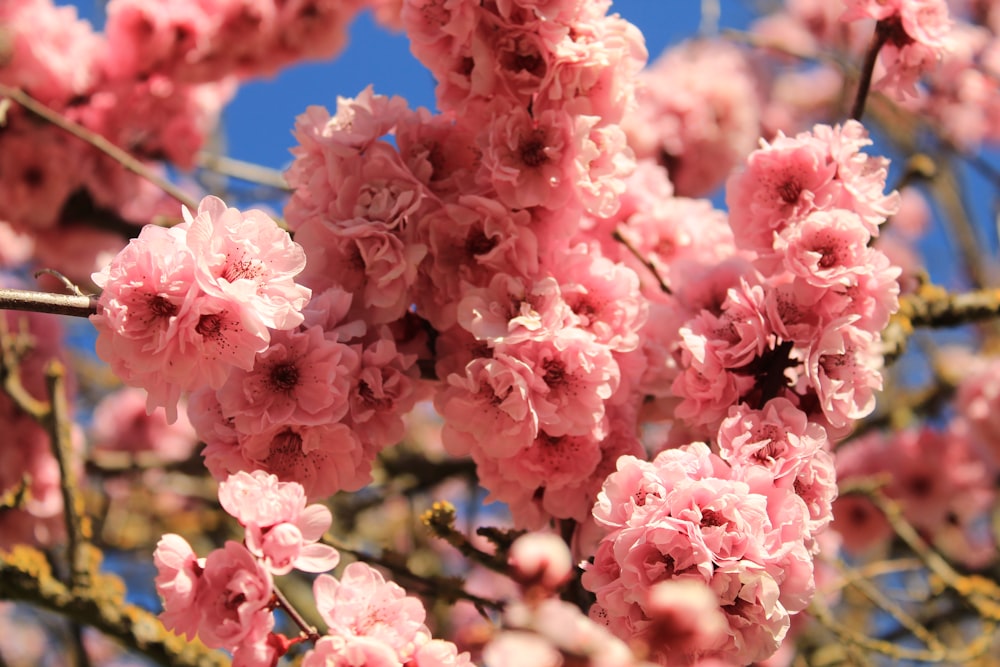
[
  {"x": 301, "y": 378},
  {"x": 233, "y": 598}
]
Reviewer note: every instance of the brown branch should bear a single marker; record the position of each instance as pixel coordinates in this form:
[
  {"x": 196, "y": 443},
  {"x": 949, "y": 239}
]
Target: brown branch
[
  {"x": 45, "y": 302},
  {"x": 26, "y": 577},
  {"x": 448, "y": 589},
  {"x": 244, "y": 171},
  {"x": 933, "y": 306},
  {"x": 648, "y": 263},
  {"x": 868, "y": 68},
  {"x": 97, "y": 141},
  {"x": 58, "y": 424}
]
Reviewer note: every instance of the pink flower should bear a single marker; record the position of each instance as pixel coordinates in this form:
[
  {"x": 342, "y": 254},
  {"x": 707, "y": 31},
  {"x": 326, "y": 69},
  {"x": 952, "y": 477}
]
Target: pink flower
[
  {"x": 490, "y": 408},
  {"x": 577, "y": 376},
  {"x": 783, "y": 182},
  {"x": 182, "y": 307},
  {"x": 540, "y": 559},
  {"x": 686, "y": 619},
  {"x": 122, "y": 424},
  {"x": 842, "y": 367},
  {"x": 178, "y": 582},
  {"x": 233, "y": 598},
  {"x": 780, "y": 437},
  {"x": 530, "y": 160},
  {"x": 697, "y": 129},
  {"x": 351, "y": 651},
  {"x": 915, "y": 33},
  {"x": 364, "y": 605},
  {"x": 280, "y": 528},
  {"x": 246, "y": 256},
  {"x": 301, "y": 378}
]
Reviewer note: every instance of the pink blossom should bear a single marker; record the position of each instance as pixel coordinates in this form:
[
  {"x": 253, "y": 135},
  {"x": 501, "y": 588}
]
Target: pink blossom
[
  {"x": 697, "y": 129},
  {"x": 351, "y": 651},
  {"x": 842, "y": 368},
  {"x": 604, "y": 296},
  {"x": 915, "y": 33},
  {"x": 233, "y": 598},
  {"x": 529, "y": 160},
  {"x": 50, "y": 53},
  {"x": 542, "y": 635},
  {"x": 179, "y": 582},
  {"x": 301, "y": 378},
  {"x": 540, "y": 559},
  {"x": 182, "y": 307},
  {"x": 686, "y": 619},
  {"x": 779, "y": 437},
  {"x": 369, "y": 260},
  {"x": 578, "y": 375},
  {"x": 39, "y": 170},
  {"x": 364, "y": 605},
  {"x": 384, "y": 389},
  {"x": 783, "y": 182},
  {"x": 281, "y": 529},
  {"x": 490, "y": 408},
  {"x": 246, "y": 256},
  {"x": 121, "y": 423}
]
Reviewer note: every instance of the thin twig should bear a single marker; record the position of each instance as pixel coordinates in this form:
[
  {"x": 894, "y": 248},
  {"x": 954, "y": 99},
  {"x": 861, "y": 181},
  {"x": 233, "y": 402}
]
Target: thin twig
[
  {"x": 308, "y": 630},
  {"x": 97, "y": 141},
  {"x": 244, "y": 171},
  {"x": 648, "y": 263},
  {"x": 58, "y": 423},
  {"x": 867, "y": 69}
]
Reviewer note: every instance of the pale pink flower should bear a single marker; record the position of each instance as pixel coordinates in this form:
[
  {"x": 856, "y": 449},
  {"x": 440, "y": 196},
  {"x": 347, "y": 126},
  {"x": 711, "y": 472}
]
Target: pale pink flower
[
  {"x": 246, "y": 256},
  {"x": 842, "y": 367},
  {"x": 351, "y": 651},
  {"x": 779, "y": 437},
  {"x": 512, "y": 309},
  {"x": 577, "y": 376},
  {"x": 280, "y": 528},
  {"x": 540, "y": 559},
  {"x": 50, "y": 53},
  {"x": 529, "y": 160},
  {"x": 364, "y": 604},
  {"x": 783, "y": 182},
  {"x": 384, "y": 389},
  {"x": 697, "y": 129},
  {"x": 39, "y": 171},
  {"x": 915, "y": 34},
  {"x": 490, "y": 408},
  {"x": 368, "y": 260},
  {"x": 604, "y": 297},
  {"x": 685, "y": 619},
  {"x": 439, "y": 653},
  {"x": 178, "y": 582},
  {"x": 542, "y": 635}
]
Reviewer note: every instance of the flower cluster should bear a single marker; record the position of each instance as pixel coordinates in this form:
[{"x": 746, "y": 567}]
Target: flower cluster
[
  {"x": 227, "y": 599},
  {"x": 472, "y": 217},
  {"x": 689, "y": 516},
  {"x": 183, "y": 306},
  {"x": 770, "y": 354},
  {"x": 915, "y": 35}
]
